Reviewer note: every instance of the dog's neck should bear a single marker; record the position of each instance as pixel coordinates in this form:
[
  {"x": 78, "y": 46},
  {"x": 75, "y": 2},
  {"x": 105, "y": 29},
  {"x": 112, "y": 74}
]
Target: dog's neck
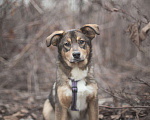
[
  {"x": 75, "y": 73},
  {"x": 79, "y": 74}
]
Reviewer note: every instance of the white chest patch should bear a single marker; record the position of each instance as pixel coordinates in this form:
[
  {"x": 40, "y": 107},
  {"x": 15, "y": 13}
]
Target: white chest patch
[
  {"x": 78, "y": 74},
  {"x": 83, "y": 89},
  {"x": 82, "y": 93}
]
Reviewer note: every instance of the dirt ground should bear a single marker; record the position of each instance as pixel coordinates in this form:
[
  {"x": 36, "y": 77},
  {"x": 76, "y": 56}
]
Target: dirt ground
[{"x": 16, "y": 105}]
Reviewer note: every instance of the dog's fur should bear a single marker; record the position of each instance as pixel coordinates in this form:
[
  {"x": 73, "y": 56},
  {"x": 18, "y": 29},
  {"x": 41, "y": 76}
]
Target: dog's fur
[{"x": 74, "y": 61}]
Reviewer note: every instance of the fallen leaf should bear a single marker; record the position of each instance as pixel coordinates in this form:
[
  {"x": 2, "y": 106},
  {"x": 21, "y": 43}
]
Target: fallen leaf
[
  {"x": 11, "y": 34},
  {"x": 115, "y": 9},
  {"x": 18, "y": 114},
  {"x": 10, "y": 118},
  {"x": 101, "y": 116},
  {"x": 13, "y": 11},
  {"x": 129, "y": 116},
  {"x": 34, "y": 115},
  {"x": 134, "y": 35},
  {"x": 30, "y": 100},
  {"x": 114, "y": 117},
  {"x": 24, "y": 110}
]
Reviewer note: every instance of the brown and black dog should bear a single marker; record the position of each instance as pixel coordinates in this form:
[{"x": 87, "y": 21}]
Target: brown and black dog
[{"x": 74, "y": 67}]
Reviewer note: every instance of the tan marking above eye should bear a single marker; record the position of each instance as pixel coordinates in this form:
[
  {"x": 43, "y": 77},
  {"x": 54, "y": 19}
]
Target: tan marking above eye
[
  {"x": 78, "y": 38},
  {"x": 69, "y": 40}
]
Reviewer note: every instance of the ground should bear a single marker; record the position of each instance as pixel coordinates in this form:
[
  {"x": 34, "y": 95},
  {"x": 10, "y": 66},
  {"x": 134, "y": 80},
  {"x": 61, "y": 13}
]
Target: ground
[{"x": 16, "y": 105}]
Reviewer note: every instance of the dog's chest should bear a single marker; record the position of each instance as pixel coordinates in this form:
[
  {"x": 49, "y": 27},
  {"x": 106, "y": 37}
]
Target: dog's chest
[
  {"x": 82, "y": 93},
  {"x": 83, "y": 89},
  {"x": 78, "y": 74}
]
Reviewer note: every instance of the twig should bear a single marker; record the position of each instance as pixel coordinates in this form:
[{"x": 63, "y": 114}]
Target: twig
[
  {"x": 3, "y": 60},
  {"x": 110, "y": 93},
  {"x": 107, "y": 8},
  {"x": 36, "y": 7},
  {"x": 143, "y": 82},
  {"x": 141, "y": 14}
]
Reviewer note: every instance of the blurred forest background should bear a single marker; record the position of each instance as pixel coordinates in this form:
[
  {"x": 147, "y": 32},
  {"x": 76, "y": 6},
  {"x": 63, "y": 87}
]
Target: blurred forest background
[{"x": 121, "y": 54}]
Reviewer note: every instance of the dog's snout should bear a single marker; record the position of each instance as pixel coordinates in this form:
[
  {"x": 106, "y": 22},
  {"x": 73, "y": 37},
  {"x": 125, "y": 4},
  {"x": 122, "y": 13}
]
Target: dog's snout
[{"x": 76, "y": 55}]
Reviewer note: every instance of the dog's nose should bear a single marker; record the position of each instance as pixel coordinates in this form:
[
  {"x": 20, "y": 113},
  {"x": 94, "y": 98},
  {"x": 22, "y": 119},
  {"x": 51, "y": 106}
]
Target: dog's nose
[{"x": 76, "y": 55}]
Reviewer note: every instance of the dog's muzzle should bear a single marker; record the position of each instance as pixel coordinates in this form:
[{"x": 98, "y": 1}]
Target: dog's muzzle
[{"x": 76, "y": 55}]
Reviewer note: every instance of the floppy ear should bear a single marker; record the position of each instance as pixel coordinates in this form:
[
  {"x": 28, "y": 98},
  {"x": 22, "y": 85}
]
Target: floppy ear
[
  {"x": 90, "y": 30},
  {"x": 54, "y": 38}
]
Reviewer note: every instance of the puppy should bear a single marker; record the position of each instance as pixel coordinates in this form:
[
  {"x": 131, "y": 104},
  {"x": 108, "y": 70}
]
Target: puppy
[{"x": 74, "y": 95}]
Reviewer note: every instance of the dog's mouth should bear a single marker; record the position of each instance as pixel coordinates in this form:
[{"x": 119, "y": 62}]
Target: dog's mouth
[{"x": 76, "y": 60}]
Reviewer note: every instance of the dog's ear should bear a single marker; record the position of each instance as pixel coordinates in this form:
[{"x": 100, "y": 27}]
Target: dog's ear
[
  {"x": 54, "y": 38},
  {"x": 90, "y": 30}
]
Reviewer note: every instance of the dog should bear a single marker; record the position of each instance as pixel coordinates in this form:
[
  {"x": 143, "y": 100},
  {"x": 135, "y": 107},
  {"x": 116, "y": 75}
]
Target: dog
[{"x": 74, "y": 95}]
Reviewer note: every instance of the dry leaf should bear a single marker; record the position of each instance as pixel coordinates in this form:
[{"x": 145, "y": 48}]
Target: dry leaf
[
  {"x": 114, "y": 117},
  {"x": 10, "y": 118},
  {"x": 134, "y": 35},
  {"x": 18, "y": 114},
  {"x": 11, "y": 34},
  {"x": 129, "y": 116},
  {"x": 34, "y": 115},
  {"x": 144, "y": 31},
  {"x": 101, "y": 116},
  {"x": 13, "y": 11},
  {"x": 115, "y": 9},
  {"x": 24, "y": 110}
]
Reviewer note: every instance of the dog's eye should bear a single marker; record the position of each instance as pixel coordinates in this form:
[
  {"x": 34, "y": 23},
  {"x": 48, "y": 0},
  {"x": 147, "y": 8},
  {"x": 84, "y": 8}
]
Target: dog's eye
[
  {"x": 81, "y": 42},
  {"x": 67, "y": 44}
]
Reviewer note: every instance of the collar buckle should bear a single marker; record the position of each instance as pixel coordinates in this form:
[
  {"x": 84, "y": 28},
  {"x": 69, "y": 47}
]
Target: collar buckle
[{"x": 74, "y": 89}]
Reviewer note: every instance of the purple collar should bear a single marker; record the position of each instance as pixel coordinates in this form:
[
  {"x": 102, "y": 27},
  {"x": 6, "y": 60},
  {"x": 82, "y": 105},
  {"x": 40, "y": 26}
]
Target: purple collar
[{"x": 74, "y": 94}]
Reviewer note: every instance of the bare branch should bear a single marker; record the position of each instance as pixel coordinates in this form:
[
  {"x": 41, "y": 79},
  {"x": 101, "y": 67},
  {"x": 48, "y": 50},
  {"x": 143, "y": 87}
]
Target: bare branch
[
  {"x": 142, "y": 81},
  {"x": 129, "y": 107},
  {"x": 36, "y": 7},
  {"x": 16, "y": 59}
]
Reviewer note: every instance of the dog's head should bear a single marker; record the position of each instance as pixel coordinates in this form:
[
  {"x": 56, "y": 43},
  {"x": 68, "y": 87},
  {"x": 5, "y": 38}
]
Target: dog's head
[{"x": 74, "y": 46}]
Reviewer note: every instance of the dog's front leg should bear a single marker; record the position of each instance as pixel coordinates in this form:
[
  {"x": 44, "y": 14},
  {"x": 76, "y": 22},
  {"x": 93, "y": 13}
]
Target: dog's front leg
[
  {"x": 61, "y": 113},
  {"x": 93, "y": 110},
  {"x": 65, "y": 98},
  {"x": 93, "y": 103},
  {"x": 64, "y": 114}
]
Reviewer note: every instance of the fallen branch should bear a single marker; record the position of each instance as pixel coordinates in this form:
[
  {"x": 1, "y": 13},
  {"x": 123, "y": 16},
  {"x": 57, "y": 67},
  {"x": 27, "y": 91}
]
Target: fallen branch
[{"x": 129, "y": 107}]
